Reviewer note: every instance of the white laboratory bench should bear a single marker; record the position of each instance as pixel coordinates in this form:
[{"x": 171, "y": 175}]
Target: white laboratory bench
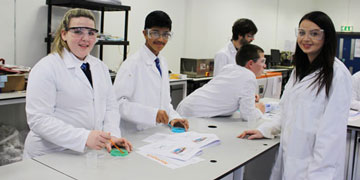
[
  {"x": 231, "y": 154},
  {"x": 30, "y": 169},
  {"x": 12, "y": 97},
  {"x": 353, "y": 148}
]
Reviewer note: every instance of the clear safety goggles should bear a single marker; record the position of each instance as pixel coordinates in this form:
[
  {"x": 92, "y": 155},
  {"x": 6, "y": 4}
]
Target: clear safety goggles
[
  {"x": 81, "y": 31},
  {"x": 154, "y": 34},
  {"x": 251, "y": 36},
  {"x": 261, "y": 60},
  {"x": 316, "y": 34}
]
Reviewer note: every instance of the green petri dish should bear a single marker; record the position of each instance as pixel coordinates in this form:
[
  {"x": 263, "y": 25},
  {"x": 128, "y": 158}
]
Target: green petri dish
[{"x": 116, "y": 152}]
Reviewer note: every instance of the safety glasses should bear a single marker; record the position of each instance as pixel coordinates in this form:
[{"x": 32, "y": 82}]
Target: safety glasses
[
  {"x": 81, "y": 31},
  {"x": 316, "y": 34},
  {"x": 261, "y": 60},
  {"x": 154, "y": 34}
]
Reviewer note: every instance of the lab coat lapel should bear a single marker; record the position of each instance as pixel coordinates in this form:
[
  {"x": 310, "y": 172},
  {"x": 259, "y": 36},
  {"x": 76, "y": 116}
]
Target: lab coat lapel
[
  {"x": 81, "y": 75},
  {"x": 151, "y": 64},
  {"x": 155, "y": 70},
  {"x": 304, "y": 83},
  {"x": 98, "y": 89},
  {"x": 296, "y": 91},
  {"x": 149, "y": 58},
  {"x": 95, "y": 67},
  {"x": 70, "y": 62},
  {"x": 164, "y": 89}
]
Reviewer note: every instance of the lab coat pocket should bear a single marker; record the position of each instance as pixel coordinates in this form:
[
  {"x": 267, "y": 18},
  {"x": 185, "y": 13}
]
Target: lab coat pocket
[
  {"x": 301, "y": 144},
  {"x": 295, "y": 168}
]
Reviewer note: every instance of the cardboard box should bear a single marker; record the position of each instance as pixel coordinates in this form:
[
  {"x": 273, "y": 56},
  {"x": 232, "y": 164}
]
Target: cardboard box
[
  {"x": 197, "y": 67},
  {"x": 15, "y": 82}
]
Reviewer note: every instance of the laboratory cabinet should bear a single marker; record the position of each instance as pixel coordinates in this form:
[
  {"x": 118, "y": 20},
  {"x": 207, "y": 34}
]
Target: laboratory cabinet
[
  {"x": 270, "y": 85},
  {"x": 101, "y": 6},
  {"x": 348, "y": 161},
  {"x": 356, "y": 169},
  {"x": 13, "y": 127},
  {"x": 349, "y": 50},
  {"x": 348, "y": 139},
  {"x": 178, "y": 91}
]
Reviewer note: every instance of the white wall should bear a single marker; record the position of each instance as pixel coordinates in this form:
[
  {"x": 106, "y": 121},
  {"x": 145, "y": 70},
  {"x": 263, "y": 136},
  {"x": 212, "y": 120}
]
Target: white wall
[
  {"x": 210, "y": 24},
  {"x": 7, "y": 34},
  {"x": 31, "y": 23},
  {"x": 288, "y": 16},
  {"x": 201, "y": 27},
  {"x": 341, "y": 12}
]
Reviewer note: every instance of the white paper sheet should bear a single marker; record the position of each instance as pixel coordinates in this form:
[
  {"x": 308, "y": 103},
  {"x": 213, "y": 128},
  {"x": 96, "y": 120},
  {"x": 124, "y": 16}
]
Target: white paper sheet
[
  {"x": 177, "y": 150},
  {"x": 354, "y": 115},
  {"x": 172, "y": 149}
]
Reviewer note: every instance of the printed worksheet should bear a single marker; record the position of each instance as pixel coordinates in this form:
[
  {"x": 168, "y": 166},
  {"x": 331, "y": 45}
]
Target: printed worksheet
[
  {"x": 354, "y": 115},
  {"x": 177, "y": 150},
  {"x": 172, "y": 149},
  {"x": 199, "y": 139}
]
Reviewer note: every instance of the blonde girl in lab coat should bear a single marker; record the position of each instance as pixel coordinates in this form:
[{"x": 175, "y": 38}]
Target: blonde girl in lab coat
[
  {"x": 314, "y": 107},
  {"x": 66, "y": 108}
]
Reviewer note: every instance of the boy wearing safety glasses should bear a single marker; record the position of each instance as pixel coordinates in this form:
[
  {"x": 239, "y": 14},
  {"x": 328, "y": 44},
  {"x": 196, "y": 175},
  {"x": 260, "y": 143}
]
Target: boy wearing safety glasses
[
  {"x": 231, "y": 90},
  {"x": 142, "y": 82}
]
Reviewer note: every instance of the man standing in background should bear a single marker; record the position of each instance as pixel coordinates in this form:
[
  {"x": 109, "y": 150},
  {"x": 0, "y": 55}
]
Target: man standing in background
[{"x": 243, "y": 32}]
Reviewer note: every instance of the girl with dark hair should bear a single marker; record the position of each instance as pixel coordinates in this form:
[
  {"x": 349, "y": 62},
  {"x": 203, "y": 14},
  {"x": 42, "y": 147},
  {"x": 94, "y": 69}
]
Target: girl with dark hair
[{"x": 314, "y": 107}]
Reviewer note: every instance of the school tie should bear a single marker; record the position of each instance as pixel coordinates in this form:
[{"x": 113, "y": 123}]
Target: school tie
[
  {"x": 157, "y": 63},
  {"x": 85, "y": 67}
]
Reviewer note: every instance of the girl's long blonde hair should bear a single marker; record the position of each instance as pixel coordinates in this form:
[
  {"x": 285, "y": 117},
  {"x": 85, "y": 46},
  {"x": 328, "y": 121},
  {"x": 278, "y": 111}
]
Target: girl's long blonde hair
[{"x": 59, "y": 44}]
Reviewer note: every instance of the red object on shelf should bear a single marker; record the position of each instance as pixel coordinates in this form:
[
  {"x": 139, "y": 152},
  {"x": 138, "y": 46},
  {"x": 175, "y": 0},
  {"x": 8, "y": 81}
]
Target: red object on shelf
[{"x": 7, "y": 70}]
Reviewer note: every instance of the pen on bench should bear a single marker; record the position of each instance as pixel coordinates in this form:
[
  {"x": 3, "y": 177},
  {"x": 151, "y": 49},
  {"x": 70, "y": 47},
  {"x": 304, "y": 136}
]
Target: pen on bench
[
  {"x": 112, "y": 142},
  {"x": 156, "y": 158}
]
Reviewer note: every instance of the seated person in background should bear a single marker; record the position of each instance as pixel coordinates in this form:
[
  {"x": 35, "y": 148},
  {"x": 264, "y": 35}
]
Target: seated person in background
[
  {"x": 142, "y": 82},
  {"x": 355, "y": 101},
  {"x": 70, "y": 101},
  {"x": 232, "y": 89}
]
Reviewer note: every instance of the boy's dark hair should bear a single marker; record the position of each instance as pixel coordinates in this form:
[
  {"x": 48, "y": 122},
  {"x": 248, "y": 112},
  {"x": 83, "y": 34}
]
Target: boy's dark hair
[
  {"x": 242, "y": 27},
  {"x": 157, "y": 19},
  {"x": 248, "y": 52}
]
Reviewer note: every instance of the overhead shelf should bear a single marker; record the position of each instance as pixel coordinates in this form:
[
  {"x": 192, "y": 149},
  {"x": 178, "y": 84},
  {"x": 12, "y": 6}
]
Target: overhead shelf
[
  {"x": 110, "y": 42},
  {"x": 99, "y": 5},
  {"x": 106, "y": 5}
]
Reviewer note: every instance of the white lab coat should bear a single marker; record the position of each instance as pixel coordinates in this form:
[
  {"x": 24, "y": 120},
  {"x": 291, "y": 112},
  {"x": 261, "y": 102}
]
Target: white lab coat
[
  {"x": 313, "y": 128},
  {"x": 355, "y": 102},
  {"x": 141, "y": 91},
  {"x": 225, "y": 56},
  {"x": 62, "y": 107},
  {"x": 232, "y": 89}
]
